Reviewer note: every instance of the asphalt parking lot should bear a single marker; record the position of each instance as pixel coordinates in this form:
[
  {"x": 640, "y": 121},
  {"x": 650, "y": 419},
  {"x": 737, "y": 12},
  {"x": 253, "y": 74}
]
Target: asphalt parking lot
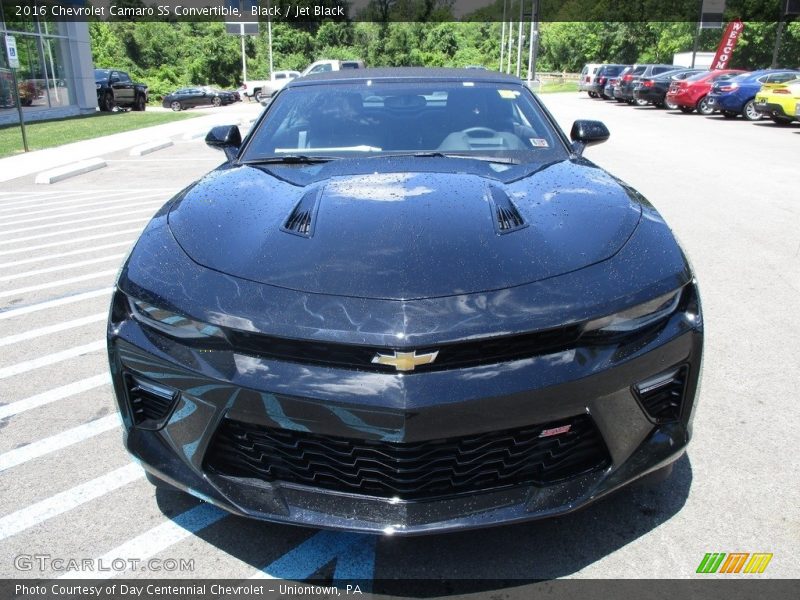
[{"x": 728, "y": 188}]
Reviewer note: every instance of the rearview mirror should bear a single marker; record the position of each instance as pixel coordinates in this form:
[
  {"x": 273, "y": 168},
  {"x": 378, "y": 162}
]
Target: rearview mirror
[{"x": 586, "y": 133}]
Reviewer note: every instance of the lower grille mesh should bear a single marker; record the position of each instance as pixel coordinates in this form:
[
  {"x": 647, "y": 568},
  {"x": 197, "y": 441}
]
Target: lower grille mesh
[{"x": 408, "y": 470}]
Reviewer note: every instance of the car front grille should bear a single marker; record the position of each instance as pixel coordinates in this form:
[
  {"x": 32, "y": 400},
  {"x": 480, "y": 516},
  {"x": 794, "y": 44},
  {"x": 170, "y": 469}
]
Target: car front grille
[
  {"x": 450, "y": 356},
  {"x": 541, "y": 454}
]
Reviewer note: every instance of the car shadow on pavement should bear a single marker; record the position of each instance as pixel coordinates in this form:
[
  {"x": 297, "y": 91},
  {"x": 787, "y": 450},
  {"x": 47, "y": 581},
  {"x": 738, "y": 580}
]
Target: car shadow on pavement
[{"x": 455, "y": 563}]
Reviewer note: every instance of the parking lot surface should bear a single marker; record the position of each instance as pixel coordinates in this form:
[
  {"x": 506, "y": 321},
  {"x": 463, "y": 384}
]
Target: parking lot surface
[{"x": 728, "y": 188}]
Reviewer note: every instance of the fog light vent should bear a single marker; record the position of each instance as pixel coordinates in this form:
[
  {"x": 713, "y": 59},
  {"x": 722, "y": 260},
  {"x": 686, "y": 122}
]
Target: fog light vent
[
  {"x": 150, "y": 402},
  {"x": 662, "y": 395}
]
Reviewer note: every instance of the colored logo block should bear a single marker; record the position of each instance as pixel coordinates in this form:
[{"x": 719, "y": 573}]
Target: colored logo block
[{"x": 734, "y": 562}]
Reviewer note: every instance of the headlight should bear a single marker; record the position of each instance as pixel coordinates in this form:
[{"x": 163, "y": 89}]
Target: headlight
[
  {"x": 173, "y": 324},
  {"x": 637, "y": 317},
  {"x": 97, "y": 85}
]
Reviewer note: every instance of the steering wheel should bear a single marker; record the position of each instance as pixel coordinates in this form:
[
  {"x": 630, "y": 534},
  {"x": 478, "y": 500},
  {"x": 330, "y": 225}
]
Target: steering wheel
[{"x": 479, "y": 132}]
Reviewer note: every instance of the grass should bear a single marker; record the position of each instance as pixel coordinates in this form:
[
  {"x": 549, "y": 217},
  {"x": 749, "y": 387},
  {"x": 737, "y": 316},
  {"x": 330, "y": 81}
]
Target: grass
[
  {"x": 553, "y": 86},
  {"x": 47, "y": 134}
]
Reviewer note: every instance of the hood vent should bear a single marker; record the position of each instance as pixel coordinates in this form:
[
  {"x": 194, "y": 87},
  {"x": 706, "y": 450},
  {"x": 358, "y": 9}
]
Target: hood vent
[
  {"x": 303, "y": 217},
  {"x": 505, "y": 213}
]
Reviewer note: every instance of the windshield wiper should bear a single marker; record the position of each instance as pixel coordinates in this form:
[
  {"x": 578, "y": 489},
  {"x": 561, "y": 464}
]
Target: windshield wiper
[
  {"x": 289, "y": 159},
  {"x": 438, "y": 154}
]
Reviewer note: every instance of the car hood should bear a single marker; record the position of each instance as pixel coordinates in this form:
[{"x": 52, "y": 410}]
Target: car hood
[{"x": 403, "y": 235}]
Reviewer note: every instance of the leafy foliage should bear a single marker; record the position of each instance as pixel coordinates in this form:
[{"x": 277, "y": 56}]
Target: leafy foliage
[{"x": 169, "y": 55}]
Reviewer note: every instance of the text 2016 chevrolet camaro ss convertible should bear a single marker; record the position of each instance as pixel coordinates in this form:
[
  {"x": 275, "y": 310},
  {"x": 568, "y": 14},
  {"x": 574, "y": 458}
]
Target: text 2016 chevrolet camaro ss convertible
[{"x": 405, "y": 304}]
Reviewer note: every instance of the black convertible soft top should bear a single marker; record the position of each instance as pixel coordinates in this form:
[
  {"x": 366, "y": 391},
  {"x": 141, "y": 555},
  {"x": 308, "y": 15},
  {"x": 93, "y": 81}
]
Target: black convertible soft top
[{"x": 404, "y": 73}]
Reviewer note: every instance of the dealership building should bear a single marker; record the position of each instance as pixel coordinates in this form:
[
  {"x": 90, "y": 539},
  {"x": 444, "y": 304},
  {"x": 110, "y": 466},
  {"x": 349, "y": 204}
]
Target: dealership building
[{"x": 55, "y": 77}]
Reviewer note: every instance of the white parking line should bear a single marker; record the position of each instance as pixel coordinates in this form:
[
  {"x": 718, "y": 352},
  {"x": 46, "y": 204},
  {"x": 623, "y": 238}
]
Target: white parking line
[
  {"x": 92, "y": 208},
  {"x": 87, "y": 238},
  {"x": 53, "y": 506},
  {"x": 155, "y": 540},
  {"x": 24, "y": 310},
  {"x": 51, "y": 257},
  {"x": 23, "y": 197},
  {"x": 71, "y": 196},
  {"x": 46, "y": 202},
  {"x": 147, "y": 208},
  {"x": 59, "y": 393},
  {"x": 58, "y": 283},
  {"x": 50, "y": 359},
  {"x": 30, "y": 334},
  {"x": 75, "y": 265},
  {"x": 59, "y": 441},
  {"x": 68, "y": 232}
]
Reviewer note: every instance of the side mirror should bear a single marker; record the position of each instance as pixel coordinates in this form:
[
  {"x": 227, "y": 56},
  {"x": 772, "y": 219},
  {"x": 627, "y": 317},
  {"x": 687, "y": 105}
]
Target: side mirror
[
  {"x": 225, "y": 137},
  {"x": 586, "y": 133}
]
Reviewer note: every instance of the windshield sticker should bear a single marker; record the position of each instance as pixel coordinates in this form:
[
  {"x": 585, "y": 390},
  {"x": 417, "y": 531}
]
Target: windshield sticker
[
  {"x": 538, "y": 142},
  {"x": 508, "y": 94}
]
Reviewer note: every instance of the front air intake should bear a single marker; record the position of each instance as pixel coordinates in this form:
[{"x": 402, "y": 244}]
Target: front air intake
[
  {"x": 533, "y": 455},
  {"x": 150, "y": 402},
  {"x": 662, "y": 395},
  {"x": 301, "y": 219},
  {"x": 506, "y": 215}
]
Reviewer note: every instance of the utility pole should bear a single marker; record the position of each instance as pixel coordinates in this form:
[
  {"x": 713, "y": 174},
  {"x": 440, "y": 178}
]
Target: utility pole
[
  {"x": 244, "y": 54},
  {"x": 533, "y": 46},
  {"x": 697, "y": 34},
  {"x": 779, "y": 36},
  {"x": 269, "y": 36},
  {"x": 503, "y": 36},
  {"x": 510, "y": 45},
  {"x": 13, "y": 63},
  {"x": 519, "y": 38}
]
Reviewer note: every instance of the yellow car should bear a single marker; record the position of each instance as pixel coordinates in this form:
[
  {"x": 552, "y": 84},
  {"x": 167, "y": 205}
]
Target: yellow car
[{"x": 780, "y": 101}]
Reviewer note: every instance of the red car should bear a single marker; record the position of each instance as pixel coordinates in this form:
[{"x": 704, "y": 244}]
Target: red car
[{"x": 690, "y": 94}]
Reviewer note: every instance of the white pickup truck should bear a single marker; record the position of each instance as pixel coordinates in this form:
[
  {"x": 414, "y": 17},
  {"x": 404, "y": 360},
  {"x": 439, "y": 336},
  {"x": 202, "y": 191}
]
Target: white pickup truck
[
  {"x": 266, "y": 88},
  {"x": 322, "y": 66}
]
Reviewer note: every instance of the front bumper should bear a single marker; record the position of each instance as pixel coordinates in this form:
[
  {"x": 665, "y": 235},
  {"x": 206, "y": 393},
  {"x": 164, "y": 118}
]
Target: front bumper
[{"x": 213, "y": 385}]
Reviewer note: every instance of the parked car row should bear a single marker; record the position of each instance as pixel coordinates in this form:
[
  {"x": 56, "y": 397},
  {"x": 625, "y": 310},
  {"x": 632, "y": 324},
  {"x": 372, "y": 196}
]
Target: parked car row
[
  {"x": 205, "y": 95},
  {"x": 772, "y": 93}
]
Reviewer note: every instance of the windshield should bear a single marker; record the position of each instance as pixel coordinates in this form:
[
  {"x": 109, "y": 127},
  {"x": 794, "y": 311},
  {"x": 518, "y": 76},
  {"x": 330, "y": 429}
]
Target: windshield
[
  {"x": 101, "y": 73},
  {"x": 473, "y": 120}
]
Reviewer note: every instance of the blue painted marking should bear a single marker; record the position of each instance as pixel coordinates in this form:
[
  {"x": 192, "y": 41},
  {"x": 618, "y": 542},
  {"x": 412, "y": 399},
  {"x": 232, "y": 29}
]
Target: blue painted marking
[
  {"x": 354, "y": 553},
  {"x": 357, "y": 565},
  {"x": 199, "y": 517}
]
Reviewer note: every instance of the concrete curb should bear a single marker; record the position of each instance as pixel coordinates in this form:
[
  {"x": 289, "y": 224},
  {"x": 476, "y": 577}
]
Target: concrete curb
[
  {"x": 150, "y": 147},
  {"x": 193, "y": 135},
  {"x": 67, "y": 171}
]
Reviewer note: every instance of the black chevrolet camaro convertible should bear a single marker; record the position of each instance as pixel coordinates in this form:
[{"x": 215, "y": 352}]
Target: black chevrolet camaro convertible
[{"x": 405, "y": 304}]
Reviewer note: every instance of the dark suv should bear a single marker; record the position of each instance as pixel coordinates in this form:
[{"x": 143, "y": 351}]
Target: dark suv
[
  {"x": 629, "y": 80},
  {"x": 604, "y": 73},
  {"x": 116, "y": 90}
]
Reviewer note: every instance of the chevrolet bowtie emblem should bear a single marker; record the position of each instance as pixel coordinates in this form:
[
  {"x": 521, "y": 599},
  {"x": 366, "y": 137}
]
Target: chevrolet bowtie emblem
[{"x": 405, "y": 361}]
